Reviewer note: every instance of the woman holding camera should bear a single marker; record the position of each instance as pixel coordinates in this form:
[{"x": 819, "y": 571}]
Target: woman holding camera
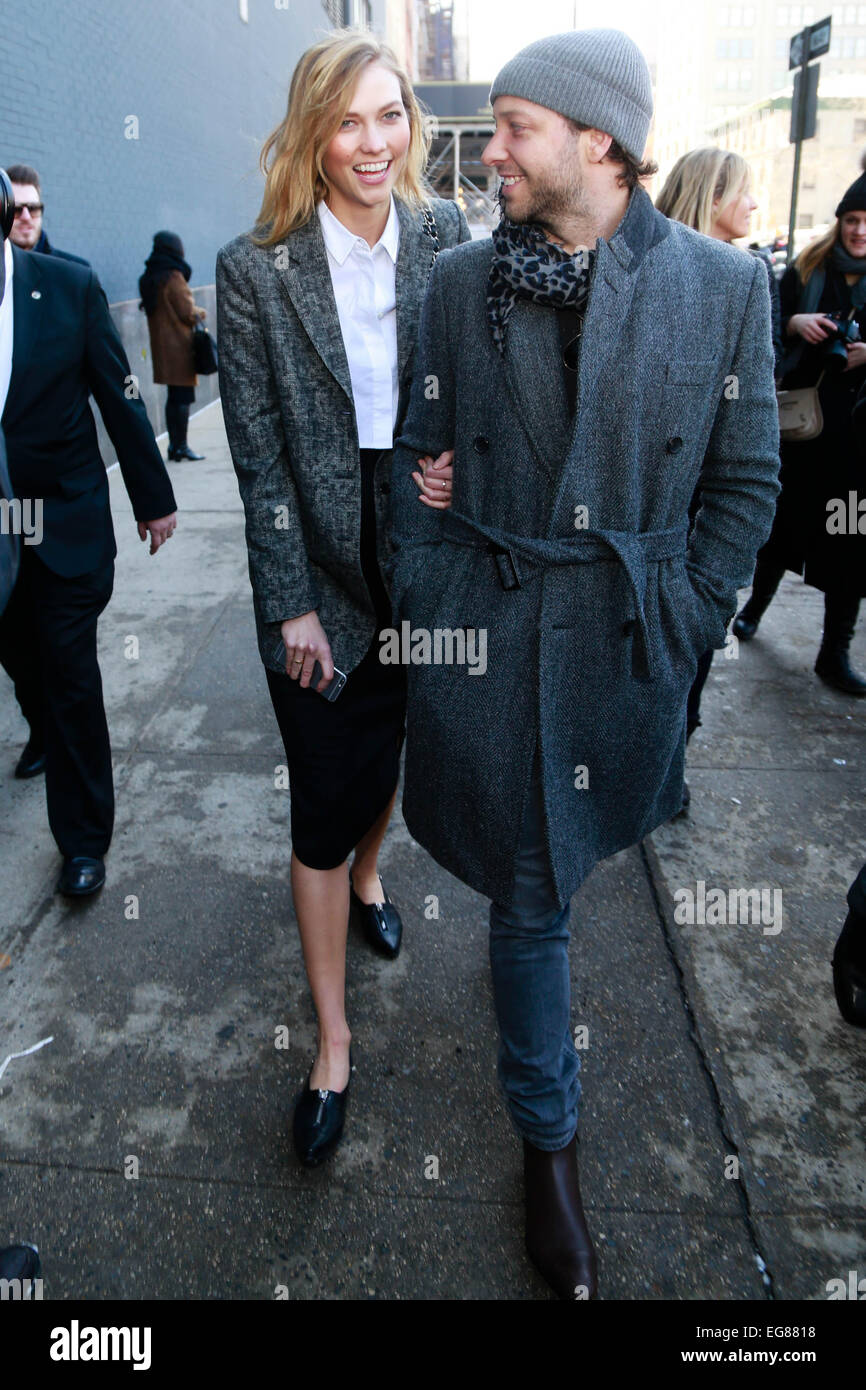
[
  {"x": 318, "y": 316},
  {"x": 823, "y": 298}
]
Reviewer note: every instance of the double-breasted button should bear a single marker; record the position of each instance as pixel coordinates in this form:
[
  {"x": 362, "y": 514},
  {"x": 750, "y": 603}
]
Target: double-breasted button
[
  {"x": 673, "y": 445},
  {"x": 481, "y": 444}
]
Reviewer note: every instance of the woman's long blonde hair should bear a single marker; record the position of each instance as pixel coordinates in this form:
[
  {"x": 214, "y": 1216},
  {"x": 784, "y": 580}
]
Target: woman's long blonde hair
[
  {"x": 319, "y": 97},
  {"x": 697, "y": 180}
]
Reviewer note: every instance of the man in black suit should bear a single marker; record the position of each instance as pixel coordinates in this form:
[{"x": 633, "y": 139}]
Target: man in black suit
[
  {"x": 28, "y": 231},
  {"x": 64, "y": 348}
]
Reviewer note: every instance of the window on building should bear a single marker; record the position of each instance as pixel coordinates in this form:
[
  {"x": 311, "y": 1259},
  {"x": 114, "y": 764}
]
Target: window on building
[
  {"x": 723, "y": 17},
  {"x": 748, "y": 17},
  {"x": 781, "y": 48},
  {"x": 835, "y": 48},
  {"x": 736, "y": 16},
  {"x": 745, "y": 79},
  {"x": 721, "y": 48},
  {"x": 860, "y": 47},
  {"x": 746, "y": 48},
  {"x": 808, "y": 14},
  {"x": 850, "y": 14},
  {"x": 794, "y": 16},
  {"x": 733, "y": 80},
  {"x": 782, "y": 16},
  {"x": 849, "y": 46},
  {"x": 861, "y": 14},
  {"x": 836, "y": 14}
]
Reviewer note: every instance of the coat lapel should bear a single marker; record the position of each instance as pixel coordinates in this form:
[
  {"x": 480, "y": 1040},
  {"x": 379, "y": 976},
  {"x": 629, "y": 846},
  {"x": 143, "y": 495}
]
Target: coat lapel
[
  {"x": 306, "y": 283},
  {"x": 27, "y": 308},
  {"x": 414, "y": 258}
]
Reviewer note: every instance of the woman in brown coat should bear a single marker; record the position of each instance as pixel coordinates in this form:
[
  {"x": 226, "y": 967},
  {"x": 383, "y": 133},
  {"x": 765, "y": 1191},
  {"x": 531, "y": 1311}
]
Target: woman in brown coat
[{"x": 171, "y": 315}]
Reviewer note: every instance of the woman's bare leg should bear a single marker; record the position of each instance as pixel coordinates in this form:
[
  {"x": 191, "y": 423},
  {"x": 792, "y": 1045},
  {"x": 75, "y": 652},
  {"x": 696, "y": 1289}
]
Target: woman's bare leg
[
  {"x": 321, "y": 898},
  {"x": 365, "y": 876}
]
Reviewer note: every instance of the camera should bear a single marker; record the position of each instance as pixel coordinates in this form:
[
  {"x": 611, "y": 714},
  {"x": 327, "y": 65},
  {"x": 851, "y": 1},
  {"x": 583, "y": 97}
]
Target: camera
[{"x": 834, "y": 348}]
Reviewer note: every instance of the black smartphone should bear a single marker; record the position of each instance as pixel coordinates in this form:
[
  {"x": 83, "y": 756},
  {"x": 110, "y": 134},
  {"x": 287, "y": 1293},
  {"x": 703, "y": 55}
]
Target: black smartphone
[{"x": 331, "y": 691}]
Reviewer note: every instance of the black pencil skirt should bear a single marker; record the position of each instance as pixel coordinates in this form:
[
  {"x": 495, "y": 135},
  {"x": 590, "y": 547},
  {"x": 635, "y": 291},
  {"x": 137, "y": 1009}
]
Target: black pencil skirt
[{"x": 344, "y": 757}]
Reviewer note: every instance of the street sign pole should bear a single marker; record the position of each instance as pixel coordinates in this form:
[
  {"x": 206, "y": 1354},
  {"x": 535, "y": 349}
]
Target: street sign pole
[
  {"x": 799, "y": 123},
  {"x": 809, "y": 43}
]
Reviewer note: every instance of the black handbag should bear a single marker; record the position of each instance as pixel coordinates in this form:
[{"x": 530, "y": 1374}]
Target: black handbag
[{"x": 204, "y": 351}]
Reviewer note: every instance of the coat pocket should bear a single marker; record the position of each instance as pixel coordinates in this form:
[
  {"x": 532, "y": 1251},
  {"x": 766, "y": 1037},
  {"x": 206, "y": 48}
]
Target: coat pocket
[{"x": 682, "y": 611}]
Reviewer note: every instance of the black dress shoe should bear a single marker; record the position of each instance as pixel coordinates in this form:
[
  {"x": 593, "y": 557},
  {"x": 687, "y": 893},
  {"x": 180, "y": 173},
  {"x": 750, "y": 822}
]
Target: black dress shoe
[
  {"x": 381, "y": 922},
  {"x": 32, "y": 760},
  {"x": 20, "y": 1262},
  {"x": 81, "y": 876},
  {"x": 849, "y": 971},
  {"x": 184, "y": 452},
  {"x": 557, "y": 1237},
  {"x": 744, "y": 626},
  {"x": 317, "y": 1124}
]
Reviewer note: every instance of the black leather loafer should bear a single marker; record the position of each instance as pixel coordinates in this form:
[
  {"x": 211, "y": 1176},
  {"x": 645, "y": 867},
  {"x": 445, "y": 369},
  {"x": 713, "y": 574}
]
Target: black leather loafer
[
  {"x": 317, "y": 1124},
  {"x": 849, "y": 971},
  {"x": 381, "y": 922},
  {"x": 32, "y": 760},
  {"x": 81, "y": 876}
]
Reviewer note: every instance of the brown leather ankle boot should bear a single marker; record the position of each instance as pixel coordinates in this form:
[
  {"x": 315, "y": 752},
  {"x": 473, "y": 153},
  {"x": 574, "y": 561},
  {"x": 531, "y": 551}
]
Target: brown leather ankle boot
[{"x": 557, "y": 1238}]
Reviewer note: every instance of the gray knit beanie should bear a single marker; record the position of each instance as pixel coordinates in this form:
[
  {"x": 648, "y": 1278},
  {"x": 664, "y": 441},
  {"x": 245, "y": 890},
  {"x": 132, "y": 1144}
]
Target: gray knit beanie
[{"x": 598, "y": 77}]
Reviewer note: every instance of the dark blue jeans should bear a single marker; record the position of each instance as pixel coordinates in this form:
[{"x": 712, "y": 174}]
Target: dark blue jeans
[{"x": 538, "y": 1063}]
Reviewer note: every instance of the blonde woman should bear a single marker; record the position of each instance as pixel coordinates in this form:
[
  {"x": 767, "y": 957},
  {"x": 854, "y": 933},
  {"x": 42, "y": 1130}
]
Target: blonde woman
[
  {"x": 710, "y": 190},
  {"x": 318, "y": 315}
]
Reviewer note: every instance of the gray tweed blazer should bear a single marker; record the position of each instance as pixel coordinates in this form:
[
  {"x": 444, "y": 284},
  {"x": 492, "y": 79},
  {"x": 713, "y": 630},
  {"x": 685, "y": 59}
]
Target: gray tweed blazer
[{"x": 290, "y": 420}]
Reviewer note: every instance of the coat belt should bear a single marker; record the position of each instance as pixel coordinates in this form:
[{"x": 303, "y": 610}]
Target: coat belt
[{"x": 633, "y": 550}]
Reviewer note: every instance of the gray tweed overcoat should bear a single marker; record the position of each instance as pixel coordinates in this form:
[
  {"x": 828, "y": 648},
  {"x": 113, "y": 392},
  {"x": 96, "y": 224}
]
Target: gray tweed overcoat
[
  {"x": 569, "y": 546},
  {"x": 290, "y": 420}
]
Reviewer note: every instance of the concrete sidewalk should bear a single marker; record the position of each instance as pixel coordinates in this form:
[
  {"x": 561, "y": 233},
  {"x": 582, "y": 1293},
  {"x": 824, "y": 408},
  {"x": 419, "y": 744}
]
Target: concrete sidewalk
[{"x": 722, "y": 1129}]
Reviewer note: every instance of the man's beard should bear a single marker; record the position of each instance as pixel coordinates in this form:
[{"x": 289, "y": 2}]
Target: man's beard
[{"x": 552, "y": 198}]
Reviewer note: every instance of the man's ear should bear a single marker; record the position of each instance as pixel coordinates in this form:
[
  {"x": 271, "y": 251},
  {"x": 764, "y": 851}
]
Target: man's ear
[{"x": 597, "y": 145}]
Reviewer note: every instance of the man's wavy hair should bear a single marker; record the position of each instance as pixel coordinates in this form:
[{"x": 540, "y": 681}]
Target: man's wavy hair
[{"x": 633, "y": 169}]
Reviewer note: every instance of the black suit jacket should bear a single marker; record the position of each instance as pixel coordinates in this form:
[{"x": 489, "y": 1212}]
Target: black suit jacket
[
  {"x": 10, "y": 543},
  {"x": 66, "y": 347}
]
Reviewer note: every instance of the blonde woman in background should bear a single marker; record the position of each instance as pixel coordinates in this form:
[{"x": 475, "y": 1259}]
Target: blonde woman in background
[
  {"x": 318, "y": 316},
  {"x": 710, "y": 190}
]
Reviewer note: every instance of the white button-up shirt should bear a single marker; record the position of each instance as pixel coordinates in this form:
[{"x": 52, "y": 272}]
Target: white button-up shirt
[
  {"x": 364, "y": 281},
  {"x": 7, "y": 319}
]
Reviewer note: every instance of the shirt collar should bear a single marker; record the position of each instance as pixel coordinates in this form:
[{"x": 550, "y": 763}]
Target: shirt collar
[{"x": 341, "y": 242}]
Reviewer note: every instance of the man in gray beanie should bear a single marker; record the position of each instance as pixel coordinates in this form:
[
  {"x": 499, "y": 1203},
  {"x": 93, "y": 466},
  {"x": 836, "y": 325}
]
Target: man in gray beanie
[{"x": 591, "y": 364}]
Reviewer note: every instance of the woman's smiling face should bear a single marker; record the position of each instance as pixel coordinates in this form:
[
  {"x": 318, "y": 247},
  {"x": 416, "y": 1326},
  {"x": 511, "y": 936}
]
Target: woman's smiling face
[
  {"x": 852, "y": 232},
  {"x": 365, "y": 157}
]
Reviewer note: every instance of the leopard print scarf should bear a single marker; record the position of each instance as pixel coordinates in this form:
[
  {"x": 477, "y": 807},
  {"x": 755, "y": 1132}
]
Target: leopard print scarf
[{"x": 526, "y": 264}]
